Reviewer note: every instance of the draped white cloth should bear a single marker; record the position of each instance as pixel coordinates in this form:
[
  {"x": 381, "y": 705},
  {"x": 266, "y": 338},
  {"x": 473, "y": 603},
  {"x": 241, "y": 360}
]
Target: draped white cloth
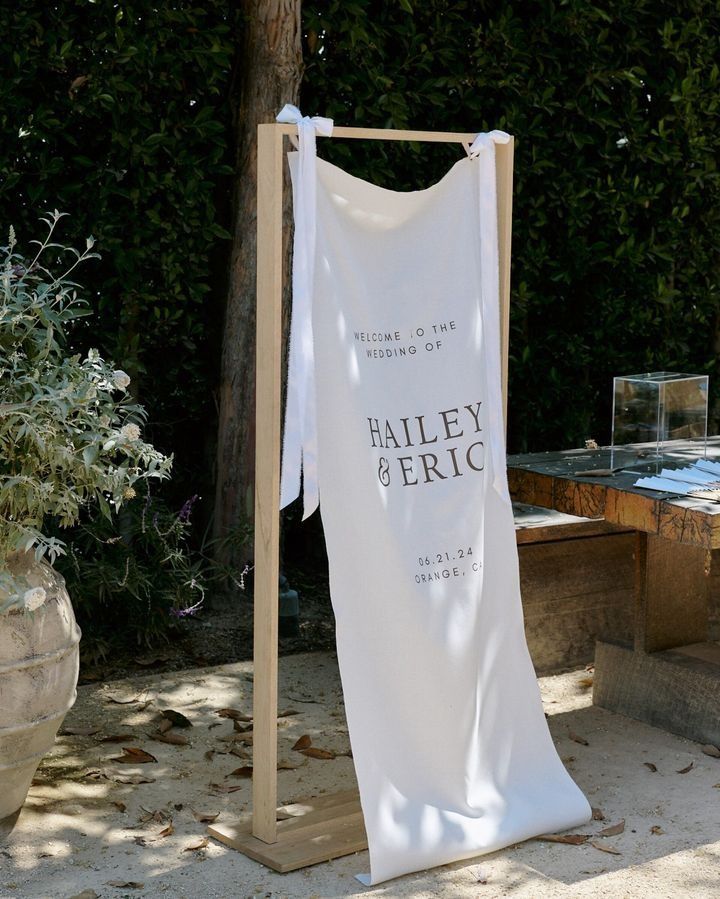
[{"x": 451, "y": 748}]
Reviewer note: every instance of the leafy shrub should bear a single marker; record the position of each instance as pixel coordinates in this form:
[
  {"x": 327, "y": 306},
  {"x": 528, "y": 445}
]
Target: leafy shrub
[{"x": 69, "y": 434}]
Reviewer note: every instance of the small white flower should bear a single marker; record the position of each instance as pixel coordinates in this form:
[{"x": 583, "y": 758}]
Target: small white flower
[
  {"x": 34, "y": 598},
  {"x": 129, "y": 493},
  {"x": 105, "y": 421},
  {"x": 120, "y": 379},
  {"x": 130, "y": 432}
]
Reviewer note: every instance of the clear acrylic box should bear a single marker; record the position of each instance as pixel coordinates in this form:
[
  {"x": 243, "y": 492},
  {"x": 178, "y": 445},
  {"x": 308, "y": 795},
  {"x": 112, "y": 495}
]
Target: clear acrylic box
[{"x": 656, "y": 415}]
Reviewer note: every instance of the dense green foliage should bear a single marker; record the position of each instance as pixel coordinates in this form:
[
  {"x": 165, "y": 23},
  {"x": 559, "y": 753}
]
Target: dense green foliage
[
  {"x": 118, "y": 114},
  {"x": 615, "y": 108},
  {"x": 70, "y": 436}
]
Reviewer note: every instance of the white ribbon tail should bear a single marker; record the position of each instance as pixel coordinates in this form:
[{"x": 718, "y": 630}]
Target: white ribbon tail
[
  {"x": 483, "y": 148},
  {"x": 300, "y": 436}
]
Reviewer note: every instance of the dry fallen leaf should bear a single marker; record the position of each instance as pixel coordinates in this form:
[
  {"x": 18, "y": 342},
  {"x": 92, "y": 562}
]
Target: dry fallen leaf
[
  {"x": 245, "y": 771},
  {"x": 289, "y": 765},
  {"x": 657, "y": 830},
  {"x": 107, "y": 774},
  {"x": 610, "y": 849},
  {"x": 176, "y": 718},
  {"x": 246, "y": 737},
  {"x": 235, "y": 714},
  {"x": 173, "y": 739},
  {"x": 86, "y": 894},
  {"x": 578, "y": 739},
  {"x": 586, "y": 682},
  {"x": 78, "y": 731},
  {"x": 158, "y": 816},
  {"x": 686, "y": 769},
  {"x": 235, "y": 738},
  {"x": 149, "y": 661},
  {"x": 134, "y": 756},
  {"x": 120, "y": 806},
  {"x": 197, "y": 844},
  {"x": 166, "y": 831},
  {"x": 597, "y": 815},
  {"x": 164, "y": 725},
  {"x": 716, "y": 786},
  {"x": 210, "y": 754},
  {"x": 126, "y": 884},
  {"x": 226, "y": 788},
  {"x": 288, "y": 713},
  {"x": 204, "y": 817},
  {"x": 650, "y": 765},
  {"x": 121, "y": 697},
  {"x": 242, "y": 752},
  {"x": 116, "y": 738},
  {"x": 614, "y": 830},
  {"x": 241, "y": 728},
  {"x": 314, "y": 753},
  {"x": 571, "y": 839},
  {"x": 711, "y": 750},
  {"x": 303, "y": 743}
]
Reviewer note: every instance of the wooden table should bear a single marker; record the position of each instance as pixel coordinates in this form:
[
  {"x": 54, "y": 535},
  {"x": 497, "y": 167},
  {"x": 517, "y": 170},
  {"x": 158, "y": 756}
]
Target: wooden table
[{"x": 670, "y": 676}]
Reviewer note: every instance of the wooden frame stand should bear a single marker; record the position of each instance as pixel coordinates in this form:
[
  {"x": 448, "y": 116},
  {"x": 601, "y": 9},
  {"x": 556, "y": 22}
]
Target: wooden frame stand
[{"x": 322, "y": 829}]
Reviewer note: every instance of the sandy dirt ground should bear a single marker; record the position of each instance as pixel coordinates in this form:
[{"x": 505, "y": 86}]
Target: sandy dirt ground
[{"x": 85, "y": 832}]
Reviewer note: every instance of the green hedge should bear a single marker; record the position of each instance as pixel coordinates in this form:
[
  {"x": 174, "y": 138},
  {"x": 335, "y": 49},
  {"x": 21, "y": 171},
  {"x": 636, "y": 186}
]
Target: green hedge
[
  {"x": 118, "y": 115},
  {"x": 617, "y": 201}
]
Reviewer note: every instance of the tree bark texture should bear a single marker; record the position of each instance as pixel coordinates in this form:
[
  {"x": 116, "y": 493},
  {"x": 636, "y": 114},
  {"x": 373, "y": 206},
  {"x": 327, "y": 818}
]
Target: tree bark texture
[{"x": 268, "y": 75}]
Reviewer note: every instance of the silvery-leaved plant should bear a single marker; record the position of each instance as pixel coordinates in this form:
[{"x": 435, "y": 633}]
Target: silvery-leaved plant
[{"x": 70, "y": 434}]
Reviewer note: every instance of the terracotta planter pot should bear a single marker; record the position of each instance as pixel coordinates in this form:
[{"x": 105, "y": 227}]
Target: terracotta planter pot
[{"x": 38, "y": 677}]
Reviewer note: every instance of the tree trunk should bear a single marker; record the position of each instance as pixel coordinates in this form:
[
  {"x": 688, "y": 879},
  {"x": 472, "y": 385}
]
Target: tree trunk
[{"x": 268, "y": 75}]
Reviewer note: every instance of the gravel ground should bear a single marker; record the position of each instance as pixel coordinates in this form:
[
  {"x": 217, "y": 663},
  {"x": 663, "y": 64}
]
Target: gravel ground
[{"x": 84, "y": 831}]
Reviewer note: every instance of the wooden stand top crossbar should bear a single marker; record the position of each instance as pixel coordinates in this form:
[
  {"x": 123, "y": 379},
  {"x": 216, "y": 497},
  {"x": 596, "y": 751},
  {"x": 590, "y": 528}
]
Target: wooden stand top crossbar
[{"x": 333, "y": 826}]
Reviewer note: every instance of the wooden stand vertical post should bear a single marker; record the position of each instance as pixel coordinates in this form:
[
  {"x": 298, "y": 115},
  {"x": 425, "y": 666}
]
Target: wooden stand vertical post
[
  {"x": 267, "y": 478},
  {"x": 326, "y": 828}
]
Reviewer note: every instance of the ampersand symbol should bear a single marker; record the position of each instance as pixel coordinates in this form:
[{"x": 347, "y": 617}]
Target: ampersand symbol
[{"x": 383, "y": 472}]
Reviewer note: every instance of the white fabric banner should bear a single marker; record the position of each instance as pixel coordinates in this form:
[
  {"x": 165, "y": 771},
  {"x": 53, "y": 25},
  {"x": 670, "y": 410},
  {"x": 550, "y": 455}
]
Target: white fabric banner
[{"x": 451, "y": 748}]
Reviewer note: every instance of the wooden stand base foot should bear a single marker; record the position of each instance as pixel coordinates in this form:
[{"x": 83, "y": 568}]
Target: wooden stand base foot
[
  {"x": 310, "y": 832},
  {"x": 677, "y": 689}
]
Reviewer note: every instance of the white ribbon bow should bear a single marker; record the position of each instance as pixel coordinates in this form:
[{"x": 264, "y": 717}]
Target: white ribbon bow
[
  {"x": 486, "y": 140},
  {"x": 300, "y": 438},
  {"x": 291, "y": 115}
]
